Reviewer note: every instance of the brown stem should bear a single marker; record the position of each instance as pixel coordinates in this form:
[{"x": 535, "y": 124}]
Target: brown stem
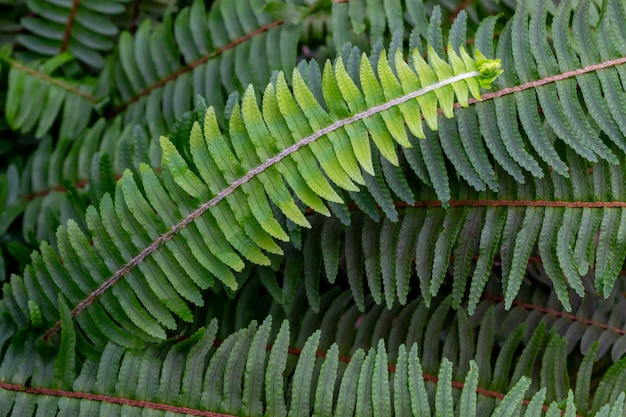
[
  {"x": 51, "y": 80},
  {"x": 69, "y": 25}
]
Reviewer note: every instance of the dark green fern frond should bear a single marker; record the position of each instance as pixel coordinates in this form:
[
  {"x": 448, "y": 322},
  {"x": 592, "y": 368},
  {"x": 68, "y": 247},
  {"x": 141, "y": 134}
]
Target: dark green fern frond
[
  {"x": 83, "y": 28},
  {"x": 419, "y": 22},
  {"x": 10, "y": 13},
  {"x": 256, "y": 370},
  {"x": 37, "y": 98},
  {"x": 138, "y": 11},
  {"x": 11, "y": 246},
  {"x": 408, "y": 243},
  {"x": 57, "y": 181},
  {"x": 160, "y": 70},
  {"x": 538, "y": 345},
  {"x": 592, "y": 319},
  {"x": 525, "y": 126},
  {"x": 247, "y": 222},
  {"x": 371, "y": 240}
]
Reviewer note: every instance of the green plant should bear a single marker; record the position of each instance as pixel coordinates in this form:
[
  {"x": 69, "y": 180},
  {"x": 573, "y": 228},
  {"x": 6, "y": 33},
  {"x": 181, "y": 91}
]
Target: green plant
[{"x": 403, "y": 209}]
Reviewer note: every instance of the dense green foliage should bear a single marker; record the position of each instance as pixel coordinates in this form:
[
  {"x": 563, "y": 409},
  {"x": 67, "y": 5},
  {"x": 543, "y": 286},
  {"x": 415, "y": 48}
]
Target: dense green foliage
[{"x": 313, "y": 207}]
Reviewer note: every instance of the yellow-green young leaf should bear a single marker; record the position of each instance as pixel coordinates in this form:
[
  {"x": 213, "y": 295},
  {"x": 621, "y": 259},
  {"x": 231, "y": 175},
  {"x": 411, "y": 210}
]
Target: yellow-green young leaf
[
  {"x": 374, "y": 95},
  {"x": 178, "y": 265},
  {"x": 219, "y": 256},
  {"x": 271, "y": 179},
  {"x": 356, "y": 102},
  {"x": 392, "y": 89},
  {"x": 461, "y": 88},
  {"x": 257, "y": 199},
  {"x": 409, "y": 82},
  {"x": 470, "y": 66},
  {"x": 202, "y": 159},
  {"x": 442, "y": 71},
  {"x": 304, "y": 159},
  {"x": 162, "y": 269},
  {"x": 489, "y": 69},
  {"x": 359, "y": 138},
  {"x": 241, "y": 229},
  {"x": 180, "y": 171},
  {"x": 428, "y": 102},
  {"x": 130, "y": 291},
  {"x": 300, "y": 128},
  {"x": 319, "y": 119}
]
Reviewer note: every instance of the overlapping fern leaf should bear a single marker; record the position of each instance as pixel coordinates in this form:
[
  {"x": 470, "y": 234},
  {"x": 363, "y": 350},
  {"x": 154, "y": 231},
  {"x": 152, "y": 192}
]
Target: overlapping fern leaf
[
  {"x": 562, "y": 216},
  {"x": 533, "y": 339}
]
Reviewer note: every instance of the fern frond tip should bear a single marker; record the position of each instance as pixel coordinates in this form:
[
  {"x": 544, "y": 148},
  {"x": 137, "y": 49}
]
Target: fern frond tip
[{"x": 489, "y": 69}]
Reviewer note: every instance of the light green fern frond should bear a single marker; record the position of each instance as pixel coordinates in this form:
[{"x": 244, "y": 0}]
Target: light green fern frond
[{"x": 244, "y": 227}]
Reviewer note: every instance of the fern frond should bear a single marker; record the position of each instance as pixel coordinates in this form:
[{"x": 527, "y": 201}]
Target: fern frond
[
  {"x": 36, "y": 99},
  {"x": 161, "y": 70},
  {"x": 418, "y": 243},
  {"x": 419, "y": 21},
  {"x": 83, "y": 28},
  {"x": 245, "y": 227},
  {"x": 493, "y": 119},
  {"x": 537, "y": 344}
]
